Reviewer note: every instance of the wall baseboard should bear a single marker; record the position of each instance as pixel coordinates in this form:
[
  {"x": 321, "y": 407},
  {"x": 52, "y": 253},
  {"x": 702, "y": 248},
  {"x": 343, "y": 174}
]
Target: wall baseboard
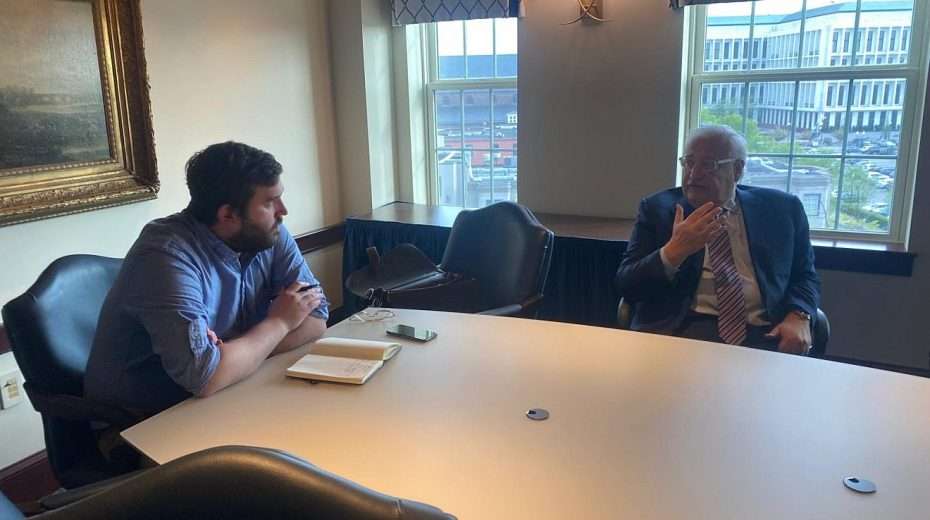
[{"x": 29, "y": 479}]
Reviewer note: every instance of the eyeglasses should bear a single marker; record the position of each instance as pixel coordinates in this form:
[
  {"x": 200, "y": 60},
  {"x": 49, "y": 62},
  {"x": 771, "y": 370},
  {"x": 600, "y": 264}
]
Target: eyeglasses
[{"x": 707, "y": 165}]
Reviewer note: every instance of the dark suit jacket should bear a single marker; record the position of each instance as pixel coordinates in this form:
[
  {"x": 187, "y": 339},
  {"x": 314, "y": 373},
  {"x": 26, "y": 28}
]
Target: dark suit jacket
[{"x": 779, "y": 243}]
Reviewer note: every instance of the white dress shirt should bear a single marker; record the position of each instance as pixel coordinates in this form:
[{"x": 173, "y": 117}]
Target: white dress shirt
[{"x": 705, "y": 297}]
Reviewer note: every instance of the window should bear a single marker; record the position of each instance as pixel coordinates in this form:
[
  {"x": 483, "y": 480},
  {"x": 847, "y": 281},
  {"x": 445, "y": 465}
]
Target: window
[
  {"x": 472, "y": 90},
  {"x": 837, "y": 126},
  {"x": 811, "y": 203}
]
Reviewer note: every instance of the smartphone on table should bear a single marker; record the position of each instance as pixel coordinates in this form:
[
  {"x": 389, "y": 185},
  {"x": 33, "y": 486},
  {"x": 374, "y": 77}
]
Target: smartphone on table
[{"x": 414, "y": 333}]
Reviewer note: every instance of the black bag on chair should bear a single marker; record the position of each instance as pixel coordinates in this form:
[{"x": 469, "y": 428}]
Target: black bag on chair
[{"x": 406, "y": 278}]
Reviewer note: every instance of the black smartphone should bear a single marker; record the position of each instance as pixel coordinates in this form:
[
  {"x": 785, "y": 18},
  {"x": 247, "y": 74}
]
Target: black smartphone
[{"x": 414, "y": 333}]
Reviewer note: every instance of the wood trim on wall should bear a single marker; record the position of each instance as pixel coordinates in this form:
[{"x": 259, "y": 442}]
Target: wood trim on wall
[
  {"x": 4, "y": 341},
  {"x": 29, "y": 479},
  {"x": 321, "y": 238}
]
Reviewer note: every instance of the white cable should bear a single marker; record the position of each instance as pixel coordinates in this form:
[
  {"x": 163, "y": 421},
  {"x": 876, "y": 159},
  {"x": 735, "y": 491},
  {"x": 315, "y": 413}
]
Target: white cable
[{"x": 366, "y": 315}]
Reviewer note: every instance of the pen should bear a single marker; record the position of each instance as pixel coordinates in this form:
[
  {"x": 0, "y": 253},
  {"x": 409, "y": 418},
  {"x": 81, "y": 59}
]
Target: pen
[{"x": 302, "y": 289}]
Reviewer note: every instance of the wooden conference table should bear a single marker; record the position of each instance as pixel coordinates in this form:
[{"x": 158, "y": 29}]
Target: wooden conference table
[{"x": 641, "y": 426}]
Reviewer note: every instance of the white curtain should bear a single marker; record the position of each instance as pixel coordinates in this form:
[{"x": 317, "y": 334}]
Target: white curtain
[{"x": 425, "y": 11}]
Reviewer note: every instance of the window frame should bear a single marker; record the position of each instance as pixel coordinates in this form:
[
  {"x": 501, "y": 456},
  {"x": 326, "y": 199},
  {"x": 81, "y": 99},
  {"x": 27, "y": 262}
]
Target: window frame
[
  {"x": 914, "y": 73},
  {"x": 429, "y": 35}
]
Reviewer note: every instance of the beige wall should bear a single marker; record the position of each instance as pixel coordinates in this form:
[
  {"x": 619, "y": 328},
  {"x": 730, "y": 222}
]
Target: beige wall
[
  {"x": 363, "y": 76},
  {"x": 218, "y": 69},
  {"x": 599, "y": 106}
]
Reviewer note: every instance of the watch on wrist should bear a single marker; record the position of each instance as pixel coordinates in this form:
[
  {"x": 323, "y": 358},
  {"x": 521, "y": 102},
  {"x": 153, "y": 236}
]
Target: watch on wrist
[{"x": 801, "y": 314}]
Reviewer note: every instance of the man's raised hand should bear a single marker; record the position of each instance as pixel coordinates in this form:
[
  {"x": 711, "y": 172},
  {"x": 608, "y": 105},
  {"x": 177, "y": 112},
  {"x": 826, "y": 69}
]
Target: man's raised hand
[{"x": 690, "y": 235}]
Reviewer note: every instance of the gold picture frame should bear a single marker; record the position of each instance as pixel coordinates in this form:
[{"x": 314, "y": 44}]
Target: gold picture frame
[{"x": 75, "y": 117}]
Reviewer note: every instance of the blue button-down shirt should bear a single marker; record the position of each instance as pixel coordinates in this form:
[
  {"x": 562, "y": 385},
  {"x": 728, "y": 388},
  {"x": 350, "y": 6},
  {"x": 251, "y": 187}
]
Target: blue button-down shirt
[{"x": 151, "y": 349}]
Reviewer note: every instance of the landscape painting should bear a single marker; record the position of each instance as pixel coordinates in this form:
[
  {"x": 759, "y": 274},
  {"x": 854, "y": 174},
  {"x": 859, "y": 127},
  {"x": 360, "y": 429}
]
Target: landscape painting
[
  {"x": 75, "y": 117},
  {"x": 51, "y": 100}
]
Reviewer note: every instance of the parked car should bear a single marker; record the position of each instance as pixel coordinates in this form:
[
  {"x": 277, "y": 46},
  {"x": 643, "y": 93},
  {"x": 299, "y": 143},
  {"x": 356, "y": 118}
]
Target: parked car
[
  {"x": 882, "y": 208},
  {"x": 883, "y": 148}
]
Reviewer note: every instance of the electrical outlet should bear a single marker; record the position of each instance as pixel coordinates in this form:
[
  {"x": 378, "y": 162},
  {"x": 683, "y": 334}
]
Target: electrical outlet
[{"x": 11, "y": 390}]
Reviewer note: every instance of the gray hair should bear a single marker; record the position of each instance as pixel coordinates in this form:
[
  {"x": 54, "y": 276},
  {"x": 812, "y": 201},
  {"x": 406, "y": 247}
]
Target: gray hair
[{"x": 722, "y": 132}]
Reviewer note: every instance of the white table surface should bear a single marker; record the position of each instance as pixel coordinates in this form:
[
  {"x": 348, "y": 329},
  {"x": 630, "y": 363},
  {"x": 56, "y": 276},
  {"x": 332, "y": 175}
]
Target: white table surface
[{"x": 641, "y": 426}]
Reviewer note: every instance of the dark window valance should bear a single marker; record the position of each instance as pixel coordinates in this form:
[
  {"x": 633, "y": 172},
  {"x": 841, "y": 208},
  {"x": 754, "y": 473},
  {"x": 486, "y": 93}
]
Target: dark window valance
[{"x": 424, "y": 11}]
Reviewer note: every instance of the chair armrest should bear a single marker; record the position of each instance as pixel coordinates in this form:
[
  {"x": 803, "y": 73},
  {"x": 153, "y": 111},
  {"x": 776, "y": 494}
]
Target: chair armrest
[
  {"x": 624, "y": 314},
  {"x": 77, "y": 408},
  {"x": 531, "y": 302},
  {"x": 516, "y": 309},
  {"x": 507, "y": 310},
  {"x": 70, "y": 496},
  {"x": 821, "y": 334}
]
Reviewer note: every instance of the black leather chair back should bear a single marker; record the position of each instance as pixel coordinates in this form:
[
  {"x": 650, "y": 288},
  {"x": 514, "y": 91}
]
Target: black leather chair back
[
  {"x": 52, "y": 325},
  {"x": 243, "y": 482},
  {"x": 51, "y": 329},
  {"x": 505, "y": 248}
]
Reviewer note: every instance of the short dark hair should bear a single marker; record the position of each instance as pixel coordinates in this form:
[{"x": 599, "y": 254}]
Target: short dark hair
[{"x": 227, "y": 173}]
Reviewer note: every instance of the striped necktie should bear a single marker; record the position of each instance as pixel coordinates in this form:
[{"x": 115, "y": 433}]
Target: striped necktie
[{"x": 731, "y": 306}]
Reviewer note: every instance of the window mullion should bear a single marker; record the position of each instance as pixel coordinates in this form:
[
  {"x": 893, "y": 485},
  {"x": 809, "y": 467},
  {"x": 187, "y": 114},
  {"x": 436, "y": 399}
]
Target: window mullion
[
  {"x": 494, "y": 46},
  {"x": 843, "y": 149},
  {"x": 464, "y": 171},
  {"x": 801, "y": 44},
  {"x": 854, "y": 53},
  {"x": 752, "y": 28},
  {"x": 465, "y": 48},
  {"x": 752, "y": 31},
  {"x": 794, "y": 129},
  {"x": 807, "y": 74},
  {"x": 745, "y": 107},
  {"x": 476, "y": 83},
  {"x": 491, "y": 153}
]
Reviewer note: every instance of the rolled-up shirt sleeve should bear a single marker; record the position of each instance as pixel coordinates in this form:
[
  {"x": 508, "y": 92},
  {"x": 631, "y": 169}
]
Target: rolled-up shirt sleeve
[
  {"x": 289, "y": 266},
  {"x": 172, "y": 310}
]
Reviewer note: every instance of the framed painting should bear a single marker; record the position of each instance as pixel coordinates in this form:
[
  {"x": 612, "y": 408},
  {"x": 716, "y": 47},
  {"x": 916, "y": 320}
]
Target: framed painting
[{"x": 75, "y": 118}]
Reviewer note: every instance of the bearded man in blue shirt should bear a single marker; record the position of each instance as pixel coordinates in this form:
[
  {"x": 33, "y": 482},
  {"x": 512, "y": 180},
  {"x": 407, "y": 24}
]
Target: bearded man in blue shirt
[{"x": 207, "y": 294}]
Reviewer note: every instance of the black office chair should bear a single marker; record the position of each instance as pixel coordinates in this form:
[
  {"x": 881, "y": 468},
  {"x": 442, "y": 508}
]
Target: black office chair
[
  {"x": 820, "y": 333},
  {"x": 232, "y": 482},
  {"x": 51, "y": 329},
  {"x": 503, "y": 248},
  {"x": 508, "y": 251}
]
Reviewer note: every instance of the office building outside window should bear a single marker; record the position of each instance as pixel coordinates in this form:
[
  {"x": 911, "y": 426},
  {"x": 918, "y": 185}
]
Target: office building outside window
[
  {"x": 472, "y": 91},
  {"x": 827, "y": 93}
]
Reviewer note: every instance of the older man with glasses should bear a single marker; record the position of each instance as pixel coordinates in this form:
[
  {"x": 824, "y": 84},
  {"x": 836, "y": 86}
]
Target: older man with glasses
[{"x": 718, "y": 261}]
